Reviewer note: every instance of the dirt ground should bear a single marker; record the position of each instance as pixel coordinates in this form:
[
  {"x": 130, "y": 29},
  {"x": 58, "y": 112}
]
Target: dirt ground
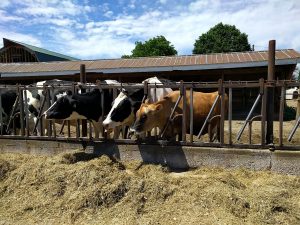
[{"x": 79, "y": 188}]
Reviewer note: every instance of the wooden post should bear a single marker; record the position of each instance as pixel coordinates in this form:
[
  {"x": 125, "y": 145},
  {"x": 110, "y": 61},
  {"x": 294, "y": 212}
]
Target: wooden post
[
  {"x": 270, "y": 92},
  {"x": 83, "y": 80}
]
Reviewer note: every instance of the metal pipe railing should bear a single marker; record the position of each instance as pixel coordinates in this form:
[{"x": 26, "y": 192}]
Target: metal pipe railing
[{"x": 187, "y": 113}]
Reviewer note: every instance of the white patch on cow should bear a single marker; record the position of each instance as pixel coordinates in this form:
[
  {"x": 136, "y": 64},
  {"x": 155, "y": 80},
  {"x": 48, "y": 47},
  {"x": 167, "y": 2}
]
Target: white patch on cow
[
  {"x": 59, "y": 95},
  {"x": 108, "y": 122},
  {"x": 157, "y": 94},
  {"x": 76, "y": 116}
]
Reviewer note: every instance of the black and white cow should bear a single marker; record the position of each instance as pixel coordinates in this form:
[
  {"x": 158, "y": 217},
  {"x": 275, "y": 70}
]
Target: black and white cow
[
  {"x": 8, "y": 99},
  {"x": 36, "y": 95},
  {"x": 83, "y": 106},
  {"x": 124, "y": 107}
]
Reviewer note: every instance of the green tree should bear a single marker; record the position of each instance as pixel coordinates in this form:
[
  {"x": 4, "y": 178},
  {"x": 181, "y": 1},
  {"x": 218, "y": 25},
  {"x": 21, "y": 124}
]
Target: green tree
[
  {"x": 222, "y": 38},
  {"x": 157, "y": 46}
]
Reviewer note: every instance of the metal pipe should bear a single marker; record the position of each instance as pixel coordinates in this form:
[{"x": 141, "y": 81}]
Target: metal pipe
[
  {"x": 230, "y": 116},
  {"x": 26, "y": 112},
  {"x": 208, "y": 116},
  {"x": 294, "y": 129},
  {"x": 270, "y": 93},
  {"x": 191, "y": 115},
  {"x": 183, "y": 93},
  {"x": 171, "y": 115},
  {"x": 1, "y": 118},
  {"x": 248, "y": 117},
  {"x": 21, "y": 102},
  {"x": 263, "y": 111},
  {"x": 282, "y": 100}
]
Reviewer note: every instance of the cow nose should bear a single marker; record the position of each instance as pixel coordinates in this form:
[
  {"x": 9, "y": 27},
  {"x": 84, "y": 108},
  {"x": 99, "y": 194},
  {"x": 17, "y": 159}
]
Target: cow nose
[{"x": 105, "y": 126}]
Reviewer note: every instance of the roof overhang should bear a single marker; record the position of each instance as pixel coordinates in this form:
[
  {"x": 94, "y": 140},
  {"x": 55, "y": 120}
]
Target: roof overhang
[{"x": 153, "y": 69}]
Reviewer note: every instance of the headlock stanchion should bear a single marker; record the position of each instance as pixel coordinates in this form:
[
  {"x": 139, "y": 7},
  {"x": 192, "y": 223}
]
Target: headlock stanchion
[
  {"x": 185, "y": 116},
  {"x": 249, "y": 120},
  {"x": 208, "y": 116},
  {"x": 171, "y": 116}
]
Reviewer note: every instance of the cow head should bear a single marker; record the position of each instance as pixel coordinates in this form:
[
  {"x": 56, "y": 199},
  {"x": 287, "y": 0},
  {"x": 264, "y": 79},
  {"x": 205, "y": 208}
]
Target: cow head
[
  {"x": 64, "y": 108},
  {"x": 148, "y": 117},
  {"x": 123, "y": 109}
]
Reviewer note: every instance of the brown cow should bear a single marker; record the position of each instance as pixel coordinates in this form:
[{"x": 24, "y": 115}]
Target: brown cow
[{"x": 157, "y": 114}]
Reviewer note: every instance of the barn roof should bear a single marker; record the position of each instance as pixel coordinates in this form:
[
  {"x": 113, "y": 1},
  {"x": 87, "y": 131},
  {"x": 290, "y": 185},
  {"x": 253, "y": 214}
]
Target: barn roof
[
  {"x": 151, "y": 64},
  {"x": 43, "y": 55}
]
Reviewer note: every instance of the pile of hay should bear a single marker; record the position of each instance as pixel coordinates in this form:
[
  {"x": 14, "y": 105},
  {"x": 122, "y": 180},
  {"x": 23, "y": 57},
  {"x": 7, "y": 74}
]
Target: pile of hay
[{"x": 79, "y": 188}]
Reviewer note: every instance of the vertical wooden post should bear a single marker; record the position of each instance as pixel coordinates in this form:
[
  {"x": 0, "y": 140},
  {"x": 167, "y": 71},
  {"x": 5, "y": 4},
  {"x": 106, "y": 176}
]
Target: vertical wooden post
[
  {"x": 83, "y": 80},
  {"x": 270, "y": 92}
]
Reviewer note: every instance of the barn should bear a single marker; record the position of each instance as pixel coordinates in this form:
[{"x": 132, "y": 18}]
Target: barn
[
  {"x": 234, "y": 66},
  {"x": 15, "y": 52}
]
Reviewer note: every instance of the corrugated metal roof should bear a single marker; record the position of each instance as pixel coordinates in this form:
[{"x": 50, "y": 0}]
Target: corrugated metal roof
[
  {"x": 41, "y": 50},
  {"x": 152, "y": 64}
]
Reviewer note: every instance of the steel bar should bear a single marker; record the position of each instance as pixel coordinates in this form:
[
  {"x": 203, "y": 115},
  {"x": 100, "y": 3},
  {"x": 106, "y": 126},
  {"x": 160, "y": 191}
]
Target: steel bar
[
  {"x": 83, "y": 90},
  {"x": 191, "y": 114},
  {"x": 294, "y": 129},
  {"x": 39, "y": 118},
  {"x": 230, "y": 116},
  {"x": 208, "y": 116},
  {"x": 248, "y": 117},
  {"x": 145, "y": 91},
  {"x": 222, "y": 120},
  {"x": 26, "y": 112},
  {"x": 183, "y": 93},
  {"x": 12, "y": 114},
  {"x": 1, "y": 117},
  {"x": 170, "y": 117},
  {"x": 21, "y": 102},
  {"x": 281, "y": 109},
  {"x": 263, "y": 111},
  {"x": 48, "y": 102}
]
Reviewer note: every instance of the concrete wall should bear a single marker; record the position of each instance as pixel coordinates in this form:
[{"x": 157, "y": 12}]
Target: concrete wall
[{"x": 177, "y": 157}]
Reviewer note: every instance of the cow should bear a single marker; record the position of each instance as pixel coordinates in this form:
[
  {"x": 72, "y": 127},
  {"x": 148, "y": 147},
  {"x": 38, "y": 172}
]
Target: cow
[
  {"x": 83, "y": 106},
  {"x": 126, "y": 104},
  {"x": 8, "y": 99},
  {"x": 35, "y": 96},
  {"x": 156, "y": 114}
]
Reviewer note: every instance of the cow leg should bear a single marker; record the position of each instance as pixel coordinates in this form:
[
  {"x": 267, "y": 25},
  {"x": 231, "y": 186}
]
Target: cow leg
[
  {"x": 97, "y": 128},
  {"x": 117, "y": 132}
]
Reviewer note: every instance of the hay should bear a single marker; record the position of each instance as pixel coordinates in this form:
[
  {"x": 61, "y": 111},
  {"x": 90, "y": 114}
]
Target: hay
[{"x": 80, "y": 188}]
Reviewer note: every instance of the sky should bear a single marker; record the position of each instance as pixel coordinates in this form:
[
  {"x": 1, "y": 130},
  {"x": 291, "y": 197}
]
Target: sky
[{"x": 90, "y": 29}]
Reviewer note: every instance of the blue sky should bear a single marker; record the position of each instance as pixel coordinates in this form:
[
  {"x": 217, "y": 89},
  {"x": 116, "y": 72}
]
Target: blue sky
[{"x": 90, "y": 29}]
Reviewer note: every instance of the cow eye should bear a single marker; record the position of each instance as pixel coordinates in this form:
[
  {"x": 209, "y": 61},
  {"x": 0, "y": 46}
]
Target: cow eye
[{"x": 144, "y": 116}]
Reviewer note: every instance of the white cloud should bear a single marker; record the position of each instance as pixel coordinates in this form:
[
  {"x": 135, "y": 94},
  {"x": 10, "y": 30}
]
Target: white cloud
[
  {"x": 29, "y": 39},
  {"x": 4, "y": 17},
  {"x": 180, "y": 23}
]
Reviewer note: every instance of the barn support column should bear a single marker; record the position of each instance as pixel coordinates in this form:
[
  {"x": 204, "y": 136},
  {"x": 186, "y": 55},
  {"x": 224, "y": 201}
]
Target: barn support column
[
  {"x": 270, "y": 92},
  {"x": 83, "y": 80}
]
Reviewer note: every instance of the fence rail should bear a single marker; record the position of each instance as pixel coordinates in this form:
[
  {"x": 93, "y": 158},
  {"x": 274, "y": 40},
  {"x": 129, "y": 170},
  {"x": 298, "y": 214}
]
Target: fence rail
[{"x": 232, "y": 130}]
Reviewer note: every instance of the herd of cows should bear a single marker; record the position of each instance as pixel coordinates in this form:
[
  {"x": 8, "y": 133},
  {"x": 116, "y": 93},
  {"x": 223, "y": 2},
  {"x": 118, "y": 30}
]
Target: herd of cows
[{"x": 106, "y": 113}]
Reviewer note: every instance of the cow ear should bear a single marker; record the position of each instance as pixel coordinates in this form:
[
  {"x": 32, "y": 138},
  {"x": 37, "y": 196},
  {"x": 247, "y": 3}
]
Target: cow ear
[
  {"x": 69, "y": 92},
  {"x": 158, "y": 107}
]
